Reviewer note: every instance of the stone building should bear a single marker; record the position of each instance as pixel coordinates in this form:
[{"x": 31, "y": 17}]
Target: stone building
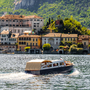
[{"x": 20, "y": 23}]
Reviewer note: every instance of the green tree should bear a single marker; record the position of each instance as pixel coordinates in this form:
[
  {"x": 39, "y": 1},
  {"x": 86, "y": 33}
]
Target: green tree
[
  {"x": 16, "y": 45},
  {"x": 27, "y": 48},
  {"x": 79, "y": 45},
  {"x": 46, "y": 47}
]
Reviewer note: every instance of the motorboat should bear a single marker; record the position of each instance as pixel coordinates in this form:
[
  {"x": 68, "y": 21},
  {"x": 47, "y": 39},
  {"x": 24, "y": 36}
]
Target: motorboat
[{"x": 42, "y": 66}]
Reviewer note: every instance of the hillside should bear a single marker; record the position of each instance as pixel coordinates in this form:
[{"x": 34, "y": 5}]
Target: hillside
[{"x": 79, "y": 9}]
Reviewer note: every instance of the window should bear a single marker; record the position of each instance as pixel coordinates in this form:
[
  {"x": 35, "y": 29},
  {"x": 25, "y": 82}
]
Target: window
[
  {"x": 57, "y": 43},
  {"x": 84, "y": 43},
  {"x": 24, "y": 38},
  {"x": 10, "y": 25},
  {"x": 74, "y": 39},
  {"x": 56, "y": 38},
  {"x": 27, "y": 44},
  {"x": 33, "y": 39},
  {"x": 15, "y": 31},
  {"x": 30, "y": 44},
  {"x": 71, "y": 39},
  {"x": 37, "y": 24},
  {"x": 36, "y": 39},
  {"x": 34, "y": 19},
  {"x": 18, "y": 31},
  {"x": 13, "y": 20},
  {"x": 68, "y": 39},
  {"x": 34, "y": 24},
  {"x": 22, "y": 30},
  {"x": 29, "y": 38},
  {"x": 61, "y": 63},
  {"x": 6, "y": 20},
  {"x": 65, "y": 39},
  {"x": 33, "y": 44},
  {"x": 36, "y": 44},
  {"x": 37, "y": 19},
  {"x": 55, "y": 64}
]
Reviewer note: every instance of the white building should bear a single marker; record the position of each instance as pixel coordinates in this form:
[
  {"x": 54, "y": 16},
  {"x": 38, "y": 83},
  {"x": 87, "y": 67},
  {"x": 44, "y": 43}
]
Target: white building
[
  {"x": 19, "y": 30},
  {"x": 53, "y": 39},
  {"x": 20, "y": 23},
  {"x": 8, "y": 38}
]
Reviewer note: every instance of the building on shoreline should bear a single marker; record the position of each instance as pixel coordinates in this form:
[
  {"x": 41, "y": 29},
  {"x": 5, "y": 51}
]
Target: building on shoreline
[
  {"x": 20, "y": 23},
  {"x": 29, "y": 40},
  {"x": 53, "y": 39}
]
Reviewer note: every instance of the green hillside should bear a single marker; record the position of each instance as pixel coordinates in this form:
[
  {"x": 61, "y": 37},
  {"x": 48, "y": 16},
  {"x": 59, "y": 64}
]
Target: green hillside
[{"x": 79, "y": 9}]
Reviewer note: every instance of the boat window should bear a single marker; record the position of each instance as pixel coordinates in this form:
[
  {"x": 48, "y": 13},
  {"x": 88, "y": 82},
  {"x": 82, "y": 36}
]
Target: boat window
[
  {"x": 55, "y": 64},
  {"x": 61, "y": 63},
  {"x": 50, "y": 65}
]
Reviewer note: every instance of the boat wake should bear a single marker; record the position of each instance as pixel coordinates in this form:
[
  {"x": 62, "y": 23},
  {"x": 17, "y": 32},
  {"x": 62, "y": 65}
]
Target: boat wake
[
  {"x": 15, "y": 76},
  {"x": 73, "y": 73}
]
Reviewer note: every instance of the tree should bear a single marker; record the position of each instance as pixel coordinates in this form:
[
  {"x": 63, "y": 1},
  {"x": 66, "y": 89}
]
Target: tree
[
  {"x": 46, "y": 47},
  {"x": 79, "y": 45},
  {"x": 69, "y": 43},
  {"x": 27, "y": 48},
  {"x": 58, "y": 16},
  {"x": 62, "y": 43},
  {"x": 16, "y": 45}
]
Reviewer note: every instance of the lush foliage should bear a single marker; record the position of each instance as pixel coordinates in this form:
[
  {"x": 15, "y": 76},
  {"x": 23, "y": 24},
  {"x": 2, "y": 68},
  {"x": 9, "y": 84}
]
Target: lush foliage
[
  {"x": 27, "y": 48},
  {"x": 79, "y": 45},
  {"x": 61, "y": 47},
  {"x": 46, "y": 47},
  {"x": 74, "y": 49},
  {"x": 69, "y": 25},
  {"x": 79, "y": 9}
]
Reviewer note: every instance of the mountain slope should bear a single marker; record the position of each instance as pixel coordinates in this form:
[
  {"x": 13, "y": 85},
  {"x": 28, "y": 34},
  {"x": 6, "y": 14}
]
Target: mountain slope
[{"x": 79, "y": 9}]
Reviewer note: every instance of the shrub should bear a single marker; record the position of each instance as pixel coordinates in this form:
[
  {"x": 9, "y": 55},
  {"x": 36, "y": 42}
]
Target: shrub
[
  {"x": 79, "y": 45},
  {"x": 27, "y": 48},
  {"x": 46, "y": 47}
]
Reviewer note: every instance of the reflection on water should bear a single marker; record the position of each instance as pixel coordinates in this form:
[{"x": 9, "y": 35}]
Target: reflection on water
[{"x": 13, "y": 77}]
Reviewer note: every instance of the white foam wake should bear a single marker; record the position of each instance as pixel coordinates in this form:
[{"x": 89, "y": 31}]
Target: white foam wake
[{"x": 15, "y": 76}]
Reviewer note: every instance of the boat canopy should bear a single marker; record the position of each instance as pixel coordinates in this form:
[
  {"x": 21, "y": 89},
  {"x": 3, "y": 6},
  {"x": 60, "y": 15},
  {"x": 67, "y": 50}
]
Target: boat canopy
[{"x": 35, "y": 64}]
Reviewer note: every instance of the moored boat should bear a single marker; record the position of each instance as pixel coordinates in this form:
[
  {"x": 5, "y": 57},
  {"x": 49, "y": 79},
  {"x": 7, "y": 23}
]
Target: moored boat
[{"x": 41, "y": 66}]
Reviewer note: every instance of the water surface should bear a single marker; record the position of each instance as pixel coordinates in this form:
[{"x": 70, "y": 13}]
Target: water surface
[{"x": 13, "y": 77}]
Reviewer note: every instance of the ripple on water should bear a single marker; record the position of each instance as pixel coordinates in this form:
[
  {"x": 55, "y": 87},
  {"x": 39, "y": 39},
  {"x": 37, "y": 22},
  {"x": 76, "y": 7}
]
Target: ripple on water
[{"x": 12, "y": 76}]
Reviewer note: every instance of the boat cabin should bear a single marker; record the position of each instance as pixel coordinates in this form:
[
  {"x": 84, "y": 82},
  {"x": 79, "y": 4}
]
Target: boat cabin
[{"x": 41, "y": 64}]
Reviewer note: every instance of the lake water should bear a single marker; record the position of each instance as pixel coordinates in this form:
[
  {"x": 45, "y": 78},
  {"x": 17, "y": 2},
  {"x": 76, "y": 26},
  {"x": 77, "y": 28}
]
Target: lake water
[{"x": 13, "y": 77}]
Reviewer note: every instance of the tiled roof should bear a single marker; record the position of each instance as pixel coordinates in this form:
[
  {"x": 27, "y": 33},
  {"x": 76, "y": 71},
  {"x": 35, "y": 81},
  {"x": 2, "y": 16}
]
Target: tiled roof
[
  {"x": 5, "y": 32},
  {"x": 84, "y": 37},
  {"x": 19, "y": 17},
  {"x": 69, "y": 35},
  {"x": 33, "y": 16},
  {"x": 52, "y": 35},
  {"x": 34, "y": 36}
]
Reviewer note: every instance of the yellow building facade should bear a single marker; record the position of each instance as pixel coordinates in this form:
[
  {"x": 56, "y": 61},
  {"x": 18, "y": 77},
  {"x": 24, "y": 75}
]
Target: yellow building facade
[
  {"x": 69, "y": 38},
  {"x": 32, "y": 41}
]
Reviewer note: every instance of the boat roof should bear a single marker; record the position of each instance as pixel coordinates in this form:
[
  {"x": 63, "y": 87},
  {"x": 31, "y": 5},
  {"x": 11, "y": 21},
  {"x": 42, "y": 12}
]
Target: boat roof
[
  {"x": 37, "y": 60},
  {"x": 36, "y": 63},
  {"x": 42, "y": 60}
]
